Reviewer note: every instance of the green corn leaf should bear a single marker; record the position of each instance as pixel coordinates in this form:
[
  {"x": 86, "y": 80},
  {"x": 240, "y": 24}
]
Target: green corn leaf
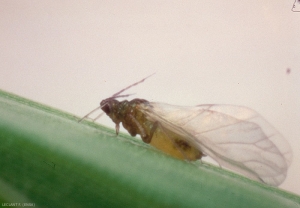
[{"x": 49, "y": 159}]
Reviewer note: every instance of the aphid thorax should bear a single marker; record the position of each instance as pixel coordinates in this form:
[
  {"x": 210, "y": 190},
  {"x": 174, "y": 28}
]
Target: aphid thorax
[{"x": 127, "y": 113}]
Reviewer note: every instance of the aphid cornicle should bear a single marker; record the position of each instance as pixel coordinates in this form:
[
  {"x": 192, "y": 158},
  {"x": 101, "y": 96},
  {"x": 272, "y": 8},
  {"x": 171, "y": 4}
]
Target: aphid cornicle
[{"x": 236, "y": 137}]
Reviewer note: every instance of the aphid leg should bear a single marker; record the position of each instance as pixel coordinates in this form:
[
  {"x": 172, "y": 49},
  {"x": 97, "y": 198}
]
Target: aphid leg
[
  {"x": 98, "y": 117},
  {"x": 147, "y": 138},
  {"x": 117, "y": 128},
  {"x": 87, "y": 115},
  {"x": 142, "y": 130}
]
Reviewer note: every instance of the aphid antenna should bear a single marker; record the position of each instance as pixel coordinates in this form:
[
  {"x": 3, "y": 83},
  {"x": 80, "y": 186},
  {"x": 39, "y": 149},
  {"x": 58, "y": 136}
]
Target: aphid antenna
[
  {"x": 87, "y": 115},
  {"x": 118, "y": 96},
  {"x": 126, "y": 88},
  {"x": 114, "y": 96},
  {"x": 98, "y": 117}
]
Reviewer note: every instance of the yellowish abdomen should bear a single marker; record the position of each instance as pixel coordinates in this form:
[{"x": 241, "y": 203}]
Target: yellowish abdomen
[{"x": 174, "y": 145}]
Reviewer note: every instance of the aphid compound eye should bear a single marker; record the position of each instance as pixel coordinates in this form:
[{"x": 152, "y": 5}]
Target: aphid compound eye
[{"x": 106, "y": 108}]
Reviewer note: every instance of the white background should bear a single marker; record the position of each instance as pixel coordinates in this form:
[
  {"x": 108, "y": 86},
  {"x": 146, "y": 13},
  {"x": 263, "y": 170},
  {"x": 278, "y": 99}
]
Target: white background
[{"x": 72, "y": 54}]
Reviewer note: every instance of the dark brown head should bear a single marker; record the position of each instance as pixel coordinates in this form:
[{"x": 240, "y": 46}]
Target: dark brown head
[{"x": 110, "y": 106}]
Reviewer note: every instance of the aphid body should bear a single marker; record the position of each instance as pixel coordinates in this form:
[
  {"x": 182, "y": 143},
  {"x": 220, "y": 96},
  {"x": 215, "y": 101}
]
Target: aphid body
[
  {"x": 236, "y": 137},
  {"x": 134, "y": 119}
]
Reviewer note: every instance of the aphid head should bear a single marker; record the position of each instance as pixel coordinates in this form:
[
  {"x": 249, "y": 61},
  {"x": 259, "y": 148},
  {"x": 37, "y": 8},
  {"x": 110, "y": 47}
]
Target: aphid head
[
  {"x": 110, "y": 106},
  {"x": 107, "y": 105}
]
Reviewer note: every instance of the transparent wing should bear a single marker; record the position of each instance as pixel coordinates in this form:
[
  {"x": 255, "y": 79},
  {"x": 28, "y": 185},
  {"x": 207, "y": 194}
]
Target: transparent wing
[{"x": 236, "y": 137}]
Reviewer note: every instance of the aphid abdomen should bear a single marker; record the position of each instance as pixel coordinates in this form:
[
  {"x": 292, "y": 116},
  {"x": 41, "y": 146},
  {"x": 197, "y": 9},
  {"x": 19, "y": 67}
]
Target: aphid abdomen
[{"x": 174, "y": 145}]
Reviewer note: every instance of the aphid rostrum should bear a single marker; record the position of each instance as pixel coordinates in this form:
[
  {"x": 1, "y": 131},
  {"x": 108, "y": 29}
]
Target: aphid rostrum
[{"x": 236, "y": 137}]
